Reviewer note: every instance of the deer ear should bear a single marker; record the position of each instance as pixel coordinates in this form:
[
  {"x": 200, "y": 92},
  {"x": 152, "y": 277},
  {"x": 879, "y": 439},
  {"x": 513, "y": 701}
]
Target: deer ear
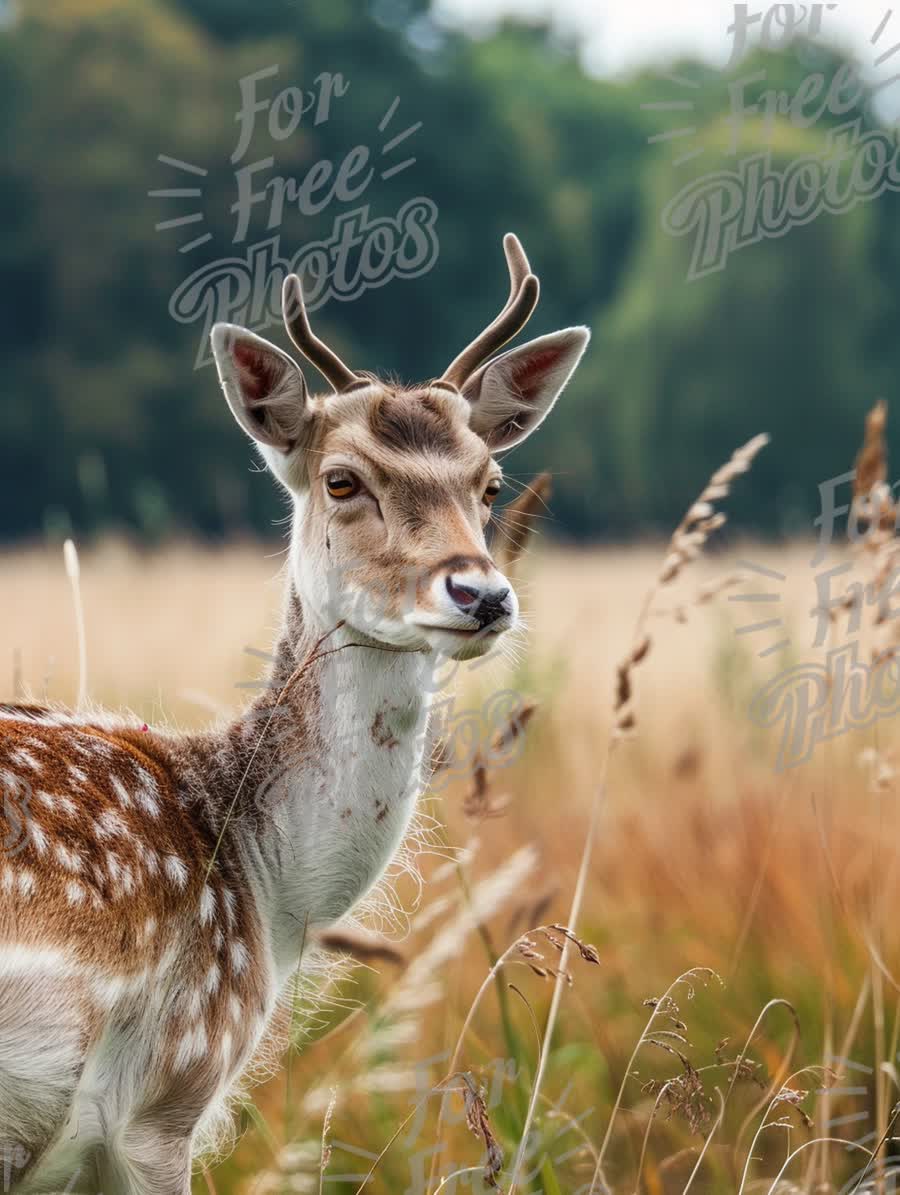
[
  {"x": 513, "y": 393},
  {"x": 264, "y": 387}
]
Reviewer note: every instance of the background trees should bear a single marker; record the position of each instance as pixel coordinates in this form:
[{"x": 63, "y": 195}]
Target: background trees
[{"x": 103, "y": 420}]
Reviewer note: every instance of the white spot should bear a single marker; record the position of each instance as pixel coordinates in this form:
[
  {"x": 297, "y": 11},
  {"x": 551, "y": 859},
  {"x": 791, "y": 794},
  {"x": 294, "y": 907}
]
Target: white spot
[
  {"x": 168, "y": 960},
  {"x": 17, "y": 959},
  {"x": 10, "y": 779},
  {"x": 74, "y": 892},
  {"x": 77, "y": 775},
  {"x": 9, "y": 878},
  {"x": 213, "y": 976},
  {"x": 218, "y": 939},
  {"x": 225, "y": 1046},
  {"x": 24, "y": 757},
  {"x": 47, "y": 799},
  {"x": 109, "y": 989},
  {"x": 149, "y": 928},
  {"x": 121, "y": 791},
  {"x": 68, "y": 806},
  {"x": 93, "y": 747},
  {"x": 26, "y": 883},
  {"x": 148, "y": 793},
  {"x": 38, "y": 837},
  {"x": 110, "y": 825},
  {"x": 239, "y": 956},
  {"x": 192, "y": 1046},
  {"x": 69, "y": 860},
  {"x": 113, "y": 866},
  {"x": 176, "y": 870},
  {"x": 235, "y": 1008},
  {"x": 207, "y": 905},
  {"x": 230, "y": 905}
]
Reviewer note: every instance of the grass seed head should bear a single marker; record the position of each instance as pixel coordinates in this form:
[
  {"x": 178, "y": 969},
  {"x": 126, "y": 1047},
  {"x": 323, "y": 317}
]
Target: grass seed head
[
  {"x": 515, "y": 525},
  {"x": 479, "y": 1123},
  {"x": 871, "y": 463}
]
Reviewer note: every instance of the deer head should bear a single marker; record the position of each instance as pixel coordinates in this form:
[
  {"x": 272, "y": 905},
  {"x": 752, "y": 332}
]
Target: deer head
[{"x": 393, "y": 486}]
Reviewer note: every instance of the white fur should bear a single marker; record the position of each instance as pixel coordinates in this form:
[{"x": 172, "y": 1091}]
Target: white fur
[{"x": 334, "y": 820}]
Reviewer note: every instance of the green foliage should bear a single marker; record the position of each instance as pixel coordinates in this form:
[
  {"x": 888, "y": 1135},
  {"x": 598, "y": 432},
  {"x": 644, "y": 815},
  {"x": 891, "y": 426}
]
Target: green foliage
[{"x": 104, "y": 421}]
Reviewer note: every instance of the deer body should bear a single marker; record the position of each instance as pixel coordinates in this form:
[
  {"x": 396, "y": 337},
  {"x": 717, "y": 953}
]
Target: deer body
[
  {"x": 114, "y": 860},
  {"x": 158, "y": 888}
]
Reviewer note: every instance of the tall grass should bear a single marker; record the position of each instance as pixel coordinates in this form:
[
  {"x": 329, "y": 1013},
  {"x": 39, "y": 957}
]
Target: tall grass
[{"x": 744, "y": 1017}]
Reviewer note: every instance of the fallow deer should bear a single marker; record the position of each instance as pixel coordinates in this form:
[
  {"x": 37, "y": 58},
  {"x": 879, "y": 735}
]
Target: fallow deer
[{"x": 161, "y": 885}]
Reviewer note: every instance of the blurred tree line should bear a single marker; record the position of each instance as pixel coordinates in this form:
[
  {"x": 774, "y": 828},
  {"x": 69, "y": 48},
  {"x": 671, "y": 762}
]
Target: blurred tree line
[{"x": 106, "y": 423}]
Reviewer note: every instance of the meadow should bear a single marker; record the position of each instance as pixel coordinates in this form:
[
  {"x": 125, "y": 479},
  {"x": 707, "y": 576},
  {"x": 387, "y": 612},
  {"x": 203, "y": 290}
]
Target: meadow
[{"x": 731, "y": 989}]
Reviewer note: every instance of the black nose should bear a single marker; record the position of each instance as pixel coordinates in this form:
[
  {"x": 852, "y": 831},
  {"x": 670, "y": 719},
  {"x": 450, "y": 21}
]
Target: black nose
[{"x": 485, "y": 606}]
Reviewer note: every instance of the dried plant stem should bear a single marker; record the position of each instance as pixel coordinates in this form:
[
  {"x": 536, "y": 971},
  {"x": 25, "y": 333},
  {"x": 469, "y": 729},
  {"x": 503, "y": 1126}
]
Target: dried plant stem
[
  {"x": 508, "y": 956},
  {"x": 662, "y": 1003},
  {"x": 638, "y": 639},
  {"x": 846, "y": 1046},
  {"x": 777, "y": 1002},
  {"x": 753, "y": 902},
  {"x": 770, "y": 1103},
  {"x": 650, "y": 1119},
  {"x": 573, "y": 1124},
  {"x": 574, "y": 915},
  {"x": 516, "y": 522},
  {"x": 876, "y": 1152},
  {"x": 502, "y": 994},
  {"x": 825, "y": 824},
  {"x": 456, "y": 1174},
  {"x": 688, "y": 539},
  {"x": 763, "y": 1124},
  {"x": 881, "y": 1113},
  {"x": 325, "y": 1156},
  {"x": 73, "y": 571},
  {"x": 808, "y": 1145},
  {"x": 895, "y": 1037},
  {"x": 709, "y": 1137},
  {"x": 437, "y": 1087}
]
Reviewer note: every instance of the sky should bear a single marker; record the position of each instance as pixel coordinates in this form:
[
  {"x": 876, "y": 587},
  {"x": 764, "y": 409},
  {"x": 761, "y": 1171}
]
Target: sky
[{"x": 619, "y": 35}]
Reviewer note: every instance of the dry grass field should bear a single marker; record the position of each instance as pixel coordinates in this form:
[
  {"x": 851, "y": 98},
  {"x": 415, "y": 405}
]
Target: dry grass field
[{"x": 747, "y": 997}]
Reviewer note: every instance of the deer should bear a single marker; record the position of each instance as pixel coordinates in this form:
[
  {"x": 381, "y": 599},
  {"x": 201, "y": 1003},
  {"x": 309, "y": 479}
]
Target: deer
[{"x": 157, "y": 886}]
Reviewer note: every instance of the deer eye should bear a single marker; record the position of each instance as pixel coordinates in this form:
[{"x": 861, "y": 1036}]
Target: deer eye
[
  {"x": 491, "y": 492},
  {"x": 341, "y": 484}
]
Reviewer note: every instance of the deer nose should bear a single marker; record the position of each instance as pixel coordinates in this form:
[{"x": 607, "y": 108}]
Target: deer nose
[{"x": 483, "y": 604}]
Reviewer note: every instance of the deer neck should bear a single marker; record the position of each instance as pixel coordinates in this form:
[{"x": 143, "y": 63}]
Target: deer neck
[{"x": 337, "y": 742}]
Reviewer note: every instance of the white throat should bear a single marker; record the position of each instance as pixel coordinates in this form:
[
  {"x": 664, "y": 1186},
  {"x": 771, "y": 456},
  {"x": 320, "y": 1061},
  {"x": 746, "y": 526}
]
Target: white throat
[{"x": 340, "y": 793}]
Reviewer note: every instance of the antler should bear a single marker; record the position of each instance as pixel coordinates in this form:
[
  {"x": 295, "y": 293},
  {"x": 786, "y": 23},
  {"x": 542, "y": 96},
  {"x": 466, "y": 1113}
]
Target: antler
[
  {"x": 296, "y": 321},
  {"x": 523, "y": 296}
]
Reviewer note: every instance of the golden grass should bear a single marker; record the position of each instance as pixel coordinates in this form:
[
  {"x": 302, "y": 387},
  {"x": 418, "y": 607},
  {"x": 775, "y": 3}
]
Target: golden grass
[{"x": 783, "y": 884}]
